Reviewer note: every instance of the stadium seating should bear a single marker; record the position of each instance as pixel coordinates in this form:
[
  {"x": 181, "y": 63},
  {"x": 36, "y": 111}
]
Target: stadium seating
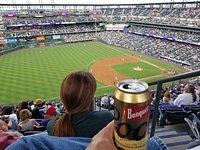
[
  {"x": 170, "y": 116},
  {"x": 179, "y": 16},
  {"x": 155, "y": 47},
  {"x": 174, "y": 114},
  {"x": 78, "y": 26},
  {"x": 84, "y": 21}
]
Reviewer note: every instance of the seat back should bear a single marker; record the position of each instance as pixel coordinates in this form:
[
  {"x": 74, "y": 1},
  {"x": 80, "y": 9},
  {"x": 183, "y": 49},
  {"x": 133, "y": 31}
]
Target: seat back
[
  {"x": 164, "y": 108},
  {"x": 176, "y": 116},
  {"x": 42, "y": 122},
  {"x": 194, "y": 109}
]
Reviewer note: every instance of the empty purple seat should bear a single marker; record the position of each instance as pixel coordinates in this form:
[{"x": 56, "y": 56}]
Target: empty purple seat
[
  {"x": 172, "y": 114},
  {"x": 42, "y": 122},
  {"x": 163, "y": 108},
  {"x": 174, "y": 117}
]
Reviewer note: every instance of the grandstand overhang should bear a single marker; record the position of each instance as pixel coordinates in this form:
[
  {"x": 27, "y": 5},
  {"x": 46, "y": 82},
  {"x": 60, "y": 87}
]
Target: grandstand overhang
[{"x": 101, "y": 5}]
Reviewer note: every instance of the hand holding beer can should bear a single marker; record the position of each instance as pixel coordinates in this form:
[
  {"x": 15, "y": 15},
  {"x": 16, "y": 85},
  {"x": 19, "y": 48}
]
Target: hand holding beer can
[{"x": 132, "y": 107}]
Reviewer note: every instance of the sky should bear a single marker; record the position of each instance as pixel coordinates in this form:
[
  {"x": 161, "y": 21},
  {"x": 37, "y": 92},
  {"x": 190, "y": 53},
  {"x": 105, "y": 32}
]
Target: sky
[{"x": 90, "y": 1}]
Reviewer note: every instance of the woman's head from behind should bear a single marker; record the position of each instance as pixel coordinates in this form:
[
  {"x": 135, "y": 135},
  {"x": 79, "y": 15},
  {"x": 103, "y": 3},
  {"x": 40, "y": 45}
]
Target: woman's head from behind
[
  {"x": 190, "y": 88},
  {"x": 167, "y": 96},
  {"x": 24, "y": 114},
  {"x": 24, "y": 105},
  {"x": 3, "y": 126},
  {"x": 77, "y": 91}
]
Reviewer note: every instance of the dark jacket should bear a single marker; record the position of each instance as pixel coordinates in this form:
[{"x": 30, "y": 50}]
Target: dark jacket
[{"x": 86, "y": 124}]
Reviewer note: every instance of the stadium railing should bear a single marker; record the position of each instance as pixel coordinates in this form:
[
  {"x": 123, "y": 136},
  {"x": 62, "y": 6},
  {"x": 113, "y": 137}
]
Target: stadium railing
[{"x": 159, "y": 84}]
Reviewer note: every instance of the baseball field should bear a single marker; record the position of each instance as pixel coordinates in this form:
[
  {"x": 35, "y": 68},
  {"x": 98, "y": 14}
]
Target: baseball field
[{"x": 38, "y": 72}]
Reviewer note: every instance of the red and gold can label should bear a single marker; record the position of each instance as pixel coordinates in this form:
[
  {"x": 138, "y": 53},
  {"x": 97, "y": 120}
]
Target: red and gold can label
[
  {"x": 126, "y": 144},
  {"x": 136, "y": 113},
  {"x": 131, "y": 114}
]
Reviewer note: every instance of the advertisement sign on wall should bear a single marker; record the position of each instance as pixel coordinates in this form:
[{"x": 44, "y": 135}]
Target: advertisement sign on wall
[
  {"x": 40, "y": 38},
  {"x": 2, "y": 42},
  {"x": 11, "y": 41},
  {"x": 56, "y": 37}
]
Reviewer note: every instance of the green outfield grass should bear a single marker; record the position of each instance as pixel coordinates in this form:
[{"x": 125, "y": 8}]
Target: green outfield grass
[
  {"x": 127, "y": 70},
  {"x": 37, "y": 73}
]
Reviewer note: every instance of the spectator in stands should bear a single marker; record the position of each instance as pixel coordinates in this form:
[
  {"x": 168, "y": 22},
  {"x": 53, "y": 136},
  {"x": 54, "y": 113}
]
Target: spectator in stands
[
  {"x": 50, "y": 110},
  {"x": 38, "y": 111},
  {"x": 58, "y": 108},
  {"x": 26, "y": 123},
  {"x": 7, "y": 138},
  {"x": 5, "y": 126},
  {"x": 31, "y": 104},
  {"x": 112, "y": 101},
  {"x": 24, "y": 105},
  {"x": 9, "y": 114},
  {"x": 188, "y": 97},
  {"x": 105, "y": 100},
  {"x": 103, "y": 140},
  {"x": 79, "y": 119},
  {"x": 198, "y": 89},
  {"x": 1, "y": 110},
  {"x": 167, "y": 98}
]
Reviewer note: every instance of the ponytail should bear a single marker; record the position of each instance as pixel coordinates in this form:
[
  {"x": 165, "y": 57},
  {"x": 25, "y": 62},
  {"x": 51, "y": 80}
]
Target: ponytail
[
  {"x": 192, "y": 91},
  {"x": 194, "y": 97},
  {"x": 63, "y": 126}
]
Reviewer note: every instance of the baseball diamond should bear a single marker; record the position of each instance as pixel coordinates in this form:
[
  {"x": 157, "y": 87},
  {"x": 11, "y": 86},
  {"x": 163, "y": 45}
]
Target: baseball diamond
[{"x": 38, "y": 72}]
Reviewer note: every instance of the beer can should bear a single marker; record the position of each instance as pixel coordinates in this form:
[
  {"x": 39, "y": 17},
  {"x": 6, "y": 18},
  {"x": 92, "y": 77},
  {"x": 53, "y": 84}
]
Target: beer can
[{"x": 131, "y": 112}]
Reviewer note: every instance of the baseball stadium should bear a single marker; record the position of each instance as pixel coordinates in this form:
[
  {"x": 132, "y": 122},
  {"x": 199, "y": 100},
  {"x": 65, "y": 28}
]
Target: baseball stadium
[
  {"x": 38, "y": 72},
  {"x": 42, "y": 44}
]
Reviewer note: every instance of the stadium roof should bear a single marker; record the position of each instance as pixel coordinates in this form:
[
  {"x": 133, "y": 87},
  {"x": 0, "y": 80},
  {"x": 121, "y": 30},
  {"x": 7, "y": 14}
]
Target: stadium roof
[
  {"x": 102, "y": 4},
  {"x": 92, "y": 2}
]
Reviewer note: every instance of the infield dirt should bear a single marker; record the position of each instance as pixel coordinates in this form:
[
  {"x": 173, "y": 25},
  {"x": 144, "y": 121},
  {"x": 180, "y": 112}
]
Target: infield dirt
[{"x": 103, "y": 71}]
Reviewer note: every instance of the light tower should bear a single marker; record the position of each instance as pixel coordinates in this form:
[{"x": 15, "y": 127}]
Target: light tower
[
  {"x": 13, "y": 1},
  {"x": 14, "y": 4},
  {"x": 52, "y": 1},
  {"x": 27, "y": 1},
  {"x": 41, "y": 2}
]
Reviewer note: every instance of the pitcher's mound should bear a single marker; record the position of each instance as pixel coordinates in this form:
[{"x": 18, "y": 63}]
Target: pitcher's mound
[{"x": 138, "y": 68}]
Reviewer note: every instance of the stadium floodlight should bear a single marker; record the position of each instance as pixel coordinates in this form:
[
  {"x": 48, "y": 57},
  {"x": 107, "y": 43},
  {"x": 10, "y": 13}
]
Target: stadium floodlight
[
  {"x": 13, "y": 1},
  {"x": 52, "y": 1},
  {"x": 27, "y": 1},
  {"x": 40, "y": 2}
]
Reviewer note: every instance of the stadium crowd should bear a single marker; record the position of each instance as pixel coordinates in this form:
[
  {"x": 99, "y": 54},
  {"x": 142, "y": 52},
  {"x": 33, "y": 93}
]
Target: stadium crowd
[
  {"x": 169, "y": 16},
  {"x": 56, "y": 118},
  {"x": 177, "y": 15},
  {"x": 79, "y": 37},
  {"x": 51, "y": 30},
  {"x": 187, "y": 55},
  {"x": 181, "y": 35},
  {"x": 75, "y": 115}
]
